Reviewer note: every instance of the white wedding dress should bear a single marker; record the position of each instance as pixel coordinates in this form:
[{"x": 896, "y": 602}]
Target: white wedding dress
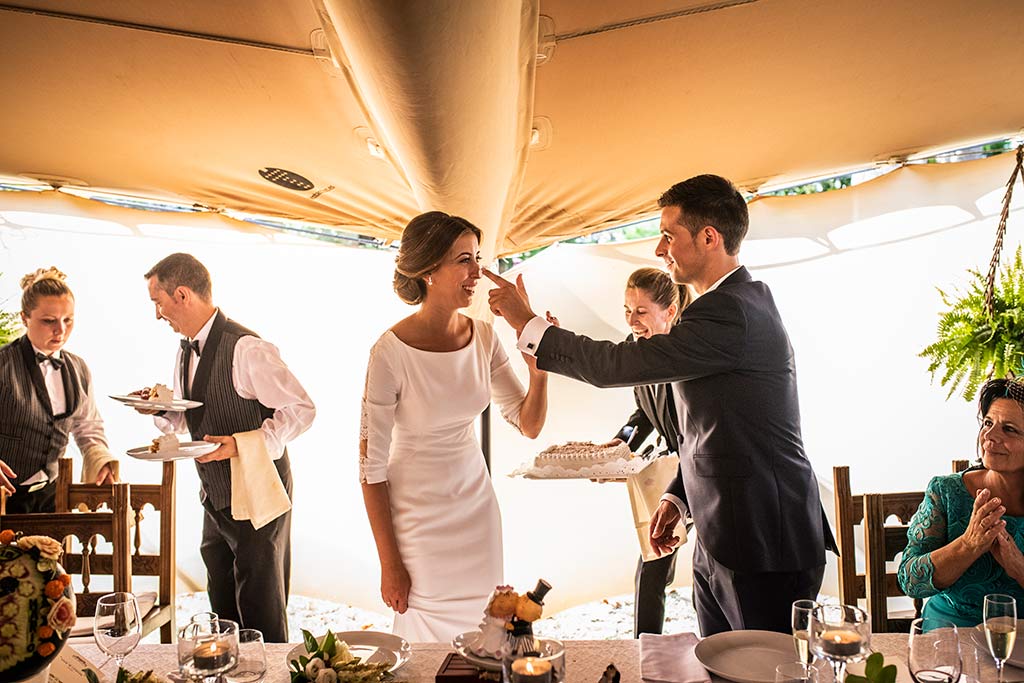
[{"x": 418, "y": 434}]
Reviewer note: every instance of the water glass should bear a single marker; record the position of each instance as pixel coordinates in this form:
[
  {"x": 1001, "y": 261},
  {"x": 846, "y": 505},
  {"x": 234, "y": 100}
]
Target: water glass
[
  {"x": 1000, "y": 615},
  {"x": 118, "y": 625},
  {"x": 933, "y": 655},
  {"x": 796, "y": 672},
  {"x": 252, "y": 658},
  {"x": 801, "y": 621}
]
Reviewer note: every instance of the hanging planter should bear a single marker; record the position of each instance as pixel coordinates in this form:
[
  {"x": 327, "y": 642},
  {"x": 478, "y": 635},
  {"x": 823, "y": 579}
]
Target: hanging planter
[{"x": 981, "y": 336}]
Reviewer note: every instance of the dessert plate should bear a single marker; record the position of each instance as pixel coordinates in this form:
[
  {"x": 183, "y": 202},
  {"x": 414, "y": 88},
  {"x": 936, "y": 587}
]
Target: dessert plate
[
  {"x": 176, "y": 406},
  {"x": 745, "y": 656},
  {"x": 461, "y": 645},
  {"x": 371, "y": 647},
  {"x": 186, "y": 449}
]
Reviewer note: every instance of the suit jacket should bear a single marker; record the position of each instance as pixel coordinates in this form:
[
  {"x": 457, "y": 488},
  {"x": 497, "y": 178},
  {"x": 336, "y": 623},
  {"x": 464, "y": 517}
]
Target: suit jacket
[
  {"x": 655, "y": 411},
  {"x": 753, "y": 495}
]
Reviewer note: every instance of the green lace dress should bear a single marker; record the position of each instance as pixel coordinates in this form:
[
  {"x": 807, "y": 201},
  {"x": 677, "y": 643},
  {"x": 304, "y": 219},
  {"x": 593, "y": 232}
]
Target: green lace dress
[{"x": 942, "y": 517}]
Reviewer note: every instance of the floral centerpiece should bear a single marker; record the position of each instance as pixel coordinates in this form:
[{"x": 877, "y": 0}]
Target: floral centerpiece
[
  {"x": 328, "y": 660},
  {"x": 37, "y": 605}
]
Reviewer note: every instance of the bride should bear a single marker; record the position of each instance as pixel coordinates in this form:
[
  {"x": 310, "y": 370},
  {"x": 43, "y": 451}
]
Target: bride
[{"x": 427, "y": 492}]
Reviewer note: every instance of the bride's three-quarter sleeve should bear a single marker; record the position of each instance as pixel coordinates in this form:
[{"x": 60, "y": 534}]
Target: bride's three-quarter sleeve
[
  {"x": 506, "y": 389},
  {"x": 927, "y": 532},
  {"x": 380, "y": 398}
]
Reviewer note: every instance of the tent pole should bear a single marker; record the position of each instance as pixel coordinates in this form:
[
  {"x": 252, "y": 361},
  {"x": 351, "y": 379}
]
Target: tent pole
[{"x": 485, "y": 435}]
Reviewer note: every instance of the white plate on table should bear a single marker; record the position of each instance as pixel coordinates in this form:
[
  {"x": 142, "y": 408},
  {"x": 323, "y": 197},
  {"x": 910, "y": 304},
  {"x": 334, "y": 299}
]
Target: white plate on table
[
  {"x": 177, "y": 405},
  {"x": 461, "y": 645},
  {"x": 186, "y": 449},
  {"x": 746, "y": 656},
  {"x": 371, "y": 647}
]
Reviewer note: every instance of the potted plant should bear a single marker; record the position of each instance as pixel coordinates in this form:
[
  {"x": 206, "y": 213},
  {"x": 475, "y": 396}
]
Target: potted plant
[
  {"x": 975, "y": 345},
  {"x": 9, "y": 327}
]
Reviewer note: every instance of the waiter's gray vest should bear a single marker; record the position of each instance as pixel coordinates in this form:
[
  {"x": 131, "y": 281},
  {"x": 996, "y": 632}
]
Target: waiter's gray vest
[
  {"x": 32, "y": 438},
  {"x": 223, "y": 412}
]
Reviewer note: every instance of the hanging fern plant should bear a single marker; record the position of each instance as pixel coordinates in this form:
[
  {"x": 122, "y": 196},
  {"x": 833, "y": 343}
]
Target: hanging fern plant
[{"x": 973, "y": 346}]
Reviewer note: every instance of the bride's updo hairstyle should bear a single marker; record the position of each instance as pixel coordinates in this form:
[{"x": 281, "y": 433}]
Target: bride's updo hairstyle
[
  {"x": 43, "y": 282},
  {"x": 425, "y": 243}
]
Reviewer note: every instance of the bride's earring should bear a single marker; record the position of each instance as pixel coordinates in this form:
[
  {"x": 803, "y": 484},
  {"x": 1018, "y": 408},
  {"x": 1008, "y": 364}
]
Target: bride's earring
[{"x": 430, "y": 280}]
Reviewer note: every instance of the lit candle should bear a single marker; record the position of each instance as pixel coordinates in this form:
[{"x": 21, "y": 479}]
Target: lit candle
[
  {"x": 841, "y": 643},
  {"x": 211, "y": 656},
  {"x": 531, "y": 670}
]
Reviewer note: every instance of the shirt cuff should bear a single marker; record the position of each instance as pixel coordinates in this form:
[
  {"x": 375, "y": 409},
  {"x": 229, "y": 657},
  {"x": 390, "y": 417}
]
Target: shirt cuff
[
  {"x": 677, "y": 501},
  {"x": 533, "y": 331}
]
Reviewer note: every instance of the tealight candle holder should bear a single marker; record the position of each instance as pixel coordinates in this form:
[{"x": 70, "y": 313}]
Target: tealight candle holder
[{"x": 547, "y": 665}]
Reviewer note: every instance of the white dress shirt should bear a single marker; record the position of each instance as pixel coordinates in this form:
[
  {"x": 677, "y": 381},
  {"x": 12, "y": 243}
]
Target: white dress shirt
[
  {"x": 86, "y": 425},
  {"x": 259, "y": 374}
]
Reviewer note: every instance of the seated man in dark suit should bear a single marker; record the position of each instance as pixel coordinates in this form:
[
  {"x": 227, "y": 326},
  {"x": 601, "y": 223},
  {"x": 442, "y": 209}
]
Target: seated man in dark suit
[{"x": 761, "y": 530}]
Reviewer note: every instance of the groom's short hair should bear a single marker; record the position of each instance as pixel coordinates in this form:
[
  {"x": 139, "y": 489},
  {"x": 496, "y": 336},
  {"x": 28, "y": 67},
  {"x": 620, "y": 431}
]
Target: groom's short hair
[
  {"x": 183, "y": 270},
  {"x": 710, "y": 200}
]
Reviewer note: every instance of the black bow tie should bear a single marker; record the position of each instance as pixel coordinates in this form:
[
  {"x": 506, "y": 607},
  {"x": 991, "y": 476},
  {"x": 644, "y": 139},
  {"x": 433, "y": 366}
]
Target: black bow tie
[
  {"x": 55, "y": 362},
  {"x": 187, "y": 346}
]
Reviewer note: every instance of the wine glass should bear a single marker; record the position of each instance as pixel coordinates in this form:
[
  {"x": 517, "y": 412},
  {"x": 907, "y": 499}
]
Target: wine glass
[
  {"x": 840, "y": 634},
  {"x": 252, "y": 658},
  {"x": 933, "y": 655},
  {"x": 796, "y": 672},
  {"x": 207, "y": 649},
  {"x": 1000, "y": 616},
  {"x": 801, "y": 624},
  {"x": 118, "y": 626}
]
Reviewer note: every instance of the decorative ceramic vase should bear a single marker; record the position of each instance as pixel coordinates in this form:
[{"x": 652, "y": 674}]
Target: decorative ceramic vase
[{"x": 37, "y": 606}]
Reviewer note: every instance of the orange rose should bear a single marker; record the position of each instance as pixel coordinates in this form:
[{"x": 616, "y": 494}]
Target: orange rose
[
  {"x": 65, "y": 579},
  {"x": 6, "y": 536},
  {"x": 44, "y": 632},
  {"x": 46, "y": 649},
  {"x": 54, "y": 589}
]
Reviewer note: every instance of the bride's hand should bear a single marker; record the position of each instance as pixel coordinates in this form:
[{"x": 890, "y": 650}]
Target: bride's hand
[{"x": 394, "y": 588}]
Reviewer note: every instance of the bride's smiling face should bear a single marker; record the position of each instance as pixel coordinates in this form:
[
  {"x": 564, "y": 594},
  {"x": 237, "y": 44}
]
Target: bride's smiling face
[{"x": 456, "y": 277}]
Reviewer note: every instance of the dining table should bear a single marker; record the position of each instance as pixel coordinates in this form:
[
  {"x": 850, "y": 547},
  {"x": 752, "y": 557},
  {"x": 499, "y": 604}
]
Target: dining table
[{"x": 586, "y": 660}]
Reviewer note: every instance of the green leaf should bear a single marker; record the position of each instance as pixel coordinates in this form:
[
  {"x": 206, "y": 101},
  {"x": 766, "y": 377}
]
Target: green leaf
[
  {"x": 854, "y": 678},
  {"x": 91, "y": 676},
  {"x": 309, "y": 641},
  {"x": 874, "y": 665},
  {"x": 330, "y": 645},
  {"x": 887, "y": 675}
]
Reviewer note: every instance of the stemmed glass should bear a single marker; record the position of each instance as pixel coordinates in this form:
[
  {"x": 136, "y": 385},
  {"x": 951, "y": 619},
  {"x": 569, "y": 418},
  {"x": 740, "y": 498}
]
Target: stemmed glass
[
  {"x": 207, "y": 649},
  {"x": 118, "y": 626},
  {"x": 840, "y": 634},
  {"x": 796, "y": 672},
  {"x": 1000, "y": 616},
  {"x": 933, "y": 655},
  {"x": 801, "y": 625}
]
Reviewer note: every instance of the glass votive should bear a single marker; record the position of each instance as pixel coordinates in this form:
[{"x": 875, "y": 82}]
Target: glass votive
[
  {"x": 208, "y": 648},
  {"x": 796, "y": 672},
  {"x": 545, "y": 666}
]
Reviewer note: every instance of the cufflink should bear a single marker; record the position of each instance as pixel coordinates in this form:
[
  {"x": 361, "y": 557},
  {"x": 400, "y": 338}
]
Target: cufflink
[{"x": 530, "y": 346}]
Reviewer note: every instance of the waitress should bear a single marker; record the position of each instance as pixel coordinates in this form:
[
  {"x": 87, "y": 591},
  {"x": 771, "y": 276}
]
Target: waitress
[
  {"x": 45, "y": 397},
  {"x": 652, "y": 306}
]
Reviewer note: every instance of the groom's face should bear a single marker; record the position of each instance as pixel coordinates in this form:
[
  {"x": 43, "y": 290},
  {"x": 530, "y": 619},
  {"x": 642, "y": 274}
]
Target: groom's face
[{"x": 678, "y": 248}]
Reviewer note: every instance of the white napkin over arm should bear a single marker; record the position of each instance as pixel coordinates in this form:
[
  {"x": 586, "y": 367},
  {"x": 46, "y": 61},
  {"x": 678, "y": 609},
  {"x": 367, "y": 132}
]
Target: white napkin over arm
[
  {"x": 257, "y": 493},
  {"x": 645, "y": 490},
  {"x": 671, "y": 659}
]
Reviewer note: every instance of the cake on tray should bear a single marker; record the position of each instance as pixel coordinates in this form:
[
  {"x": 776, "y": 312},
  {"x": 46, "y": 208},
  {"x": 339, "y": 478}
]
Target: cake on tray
[{"x": 580, "y": 454}]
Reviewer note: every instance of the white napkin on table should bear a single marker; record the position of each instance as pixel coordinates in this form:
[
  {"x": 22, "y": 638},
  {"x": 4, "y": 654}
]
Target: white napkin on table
[{"x": 670, "y": 659}]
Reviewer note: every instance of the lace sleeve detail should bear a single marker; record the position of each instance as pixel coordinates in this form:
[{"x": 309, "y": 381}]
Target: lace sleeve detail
[
  {"x": 377, "y": 417},
  {"x": 506, "y": 389},
  {"x": 927, "y": 532}
]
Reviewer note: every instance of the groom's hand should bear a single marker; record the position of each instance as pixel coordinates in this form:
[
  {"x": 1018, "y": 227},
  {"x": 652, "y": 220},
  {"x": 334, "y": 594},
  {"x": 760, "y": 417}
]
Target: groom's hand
[
  {"x": 663, "y": 523},
  {"x": 510, "y": 301}
]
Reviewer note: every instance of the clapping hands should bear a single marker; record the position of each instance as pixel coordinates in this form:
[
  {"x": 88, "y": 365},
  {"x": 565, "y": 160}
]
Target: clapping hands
[{"x": 986, "y": 522}]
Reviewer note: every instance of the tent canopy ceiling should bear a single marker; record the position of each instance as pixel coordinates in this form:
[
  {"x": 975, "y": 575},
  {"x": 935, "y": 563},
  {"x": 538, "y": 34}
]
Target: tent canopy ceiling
[{"x": 756, "y": 90}]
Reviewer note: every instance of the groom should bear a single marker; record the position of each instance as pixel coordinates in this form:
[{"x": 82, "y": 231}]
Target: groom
[{"x": 753, "y": 497}]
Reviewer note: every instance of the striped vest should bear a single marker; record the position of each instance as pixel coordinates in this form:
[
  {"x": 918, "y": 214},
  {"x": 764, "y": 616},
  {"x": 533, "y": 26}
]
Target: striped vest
[
  {"x": 32, "y": 438},
  {"x": 224, "y": 412}
]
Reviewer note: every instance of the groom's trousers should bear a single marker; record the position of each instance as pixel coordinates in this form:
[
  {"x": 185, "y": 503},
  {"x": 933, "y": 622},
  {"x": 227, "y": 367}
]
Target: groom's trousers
[{"x": 726, "y": 600}]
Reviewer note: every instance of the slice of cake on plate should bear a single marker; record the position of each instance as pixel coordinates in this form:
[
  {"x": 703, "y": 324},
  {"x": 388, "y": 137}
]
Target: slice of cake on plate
[{"x": 167, "y": 443}]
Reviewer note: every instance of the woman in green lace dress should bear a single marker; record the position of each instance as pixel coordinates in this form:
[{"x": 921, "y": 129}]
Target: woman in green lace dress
[{"x": 964, "y": 541}]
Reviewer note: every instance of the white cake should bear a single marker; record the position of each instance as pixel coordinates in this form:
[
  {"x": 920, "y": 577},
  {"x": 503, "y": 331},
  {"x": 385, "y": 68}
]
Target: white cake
[
  {"x": 580, "y": 454},
  {"x": 164, "y": 444},
  {"x": 160, "y": 394}
]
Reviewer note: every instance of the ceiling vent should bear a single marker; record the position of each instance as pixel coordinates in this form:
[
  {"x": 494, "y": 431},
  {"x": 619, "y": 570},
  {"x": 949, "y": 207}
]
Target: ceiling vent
[{"x": 287, "y": 179}]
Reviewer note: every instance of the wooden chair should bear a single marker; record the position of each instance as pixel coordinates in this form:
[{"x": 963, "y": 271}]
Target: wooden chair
[
  {"x": 850, "y": 513},
  {"x": 111, "y": 524},
  {"x": 161, "y": 564}
]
